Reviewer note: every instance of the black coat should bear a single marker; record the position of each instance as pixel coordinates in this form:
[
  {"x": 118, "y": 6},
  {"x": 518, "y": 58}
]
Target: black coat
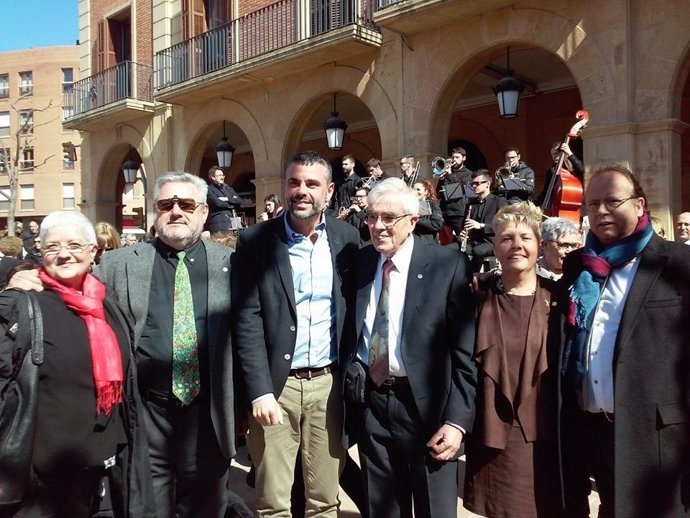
[
  {"x": 220, "y": 211},
  {"x": 651, "y": 372}
]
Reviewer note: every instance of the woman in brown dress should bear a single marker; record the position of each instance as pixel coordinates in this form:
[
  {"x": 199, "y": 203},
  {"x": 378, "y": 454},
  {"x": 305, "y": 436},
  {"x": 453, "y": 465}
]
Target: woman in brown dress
[{"x": 512, "y": 463}]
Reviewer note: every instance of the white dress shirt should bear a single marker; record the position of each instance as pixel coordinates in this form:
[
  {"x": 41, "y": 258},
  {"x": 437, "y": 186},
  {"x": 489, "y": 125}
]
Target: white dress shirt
[
  {"x": 598, "y": 392},
  {"x": 396, "y": 305}
]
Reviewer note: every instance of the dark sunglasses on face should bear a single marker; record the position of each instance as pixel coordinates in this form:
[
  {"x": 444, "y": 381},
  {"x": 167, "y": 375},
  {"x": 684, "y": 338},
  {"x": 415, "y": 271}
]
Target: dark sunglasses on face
[
  {"x": 185, "y": 204},
  {"x": 477, "y": 184}
]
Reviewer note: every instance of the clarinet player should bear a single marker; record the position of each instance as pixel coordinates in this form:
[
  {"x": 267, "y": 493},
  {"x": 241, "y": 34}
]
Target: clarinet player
[{"x": 478, "y": 231}]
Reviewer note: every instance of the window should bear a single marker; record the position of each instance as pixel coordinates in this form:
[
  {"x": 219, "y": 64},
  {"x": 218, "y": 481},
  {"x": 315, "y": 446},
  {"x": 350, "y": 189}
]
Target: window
[
  {"x": 26, "y": 83},
  {"x": 4, "y": 199},
  {"x": 4, "y": 124},
  {"x": 26, "y": 121},
  {"x": 67, "y": 195},
  {"x": 67, "y": 79},
  {"x": 69, "y": 155},
  {"x": 27, "y": 162},
  {"x": 5, "y": 158},
  {"x": 27, "y": 197},
  {"x": 4, "y": 86}
]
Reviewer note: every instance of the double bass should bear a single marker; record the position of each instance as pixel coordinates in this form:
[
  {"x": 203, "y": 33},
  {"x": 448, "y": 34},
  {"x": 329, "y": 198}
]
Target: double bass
[{"x": 564, "y": 194}]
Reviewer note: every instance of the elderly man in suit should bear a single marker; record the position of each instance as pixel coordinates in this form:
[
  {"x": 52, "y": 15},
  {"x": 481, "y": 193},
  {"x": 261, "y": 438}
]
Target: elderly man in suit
[
  {"x": 291, "y": 285},
  {"x": 415, "y": 333},
  {"x": 626, "y": 360},
  {"x": 176, "y": 289}
]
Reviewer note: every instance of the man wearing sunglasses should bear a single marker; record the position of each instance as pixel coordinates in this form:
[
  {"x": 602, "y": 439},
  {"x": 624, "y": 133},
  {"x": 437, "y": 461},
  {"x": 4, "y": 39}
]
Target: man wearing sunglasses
[
  {"x": 189, "y": 416},
  {"x": 292, "y": 281},
  {"x": 625, "y": 402},
  {"x": 478, "y": 230}
]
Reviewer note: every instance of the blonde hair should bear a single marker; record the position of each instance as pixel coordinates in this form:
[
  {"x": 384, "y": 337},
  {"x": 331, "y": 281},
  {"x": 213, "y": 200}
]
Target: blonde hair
[
  {"x": 106, "y": 235},
  {"x": 524, "y": 212}
]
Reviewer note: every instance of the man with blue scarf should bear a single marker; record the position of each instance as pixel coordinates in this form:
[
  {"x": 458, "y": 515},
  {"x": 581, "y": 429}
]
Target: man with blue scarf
[{"x": 625, "y": 406}]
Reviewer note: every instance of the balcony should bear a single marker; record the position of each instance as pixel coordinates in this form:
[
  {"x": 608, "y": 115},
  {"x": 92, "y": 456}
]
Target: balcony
[
  {"x": 277, "y": 40},
  {"x": 415, "y": 16},
  {"x": 118, "y": 94}
]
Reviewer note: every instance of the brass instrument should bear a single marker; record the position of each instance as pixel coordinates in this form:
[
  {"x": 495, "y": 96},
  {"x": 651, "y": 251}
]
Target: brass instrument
[
  {"x": 412, "y": 179},
  {"x": 368, "y": 182},
  {"x": 439, "y": 165},
  {"x": 504, "y": 173}
]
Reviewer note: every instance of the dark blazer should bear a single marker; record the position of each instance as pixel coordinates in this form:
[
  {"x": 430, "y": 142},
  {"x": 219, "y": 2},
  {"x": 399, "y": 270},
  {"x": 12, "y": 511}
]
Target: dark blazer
[
  {"x": 493, "y": 205},
  {"x": 438, "y": 331},
  {"x": 651, "y": 370},
  {"x": 263, "y": 299},
  {"x": 220, "y": 211},
  {"x": 127, "y": 273}
]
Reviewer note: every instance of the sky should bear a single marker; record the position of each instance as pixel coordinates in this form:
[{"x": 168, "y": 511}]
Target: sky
[{"x": 26, "y": 24}]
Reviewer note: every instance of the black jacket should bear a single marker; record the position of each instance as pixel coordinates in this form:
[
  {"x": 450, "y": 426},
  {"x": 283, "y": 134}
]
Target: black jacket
[
  {"x": 220, "y": 211},
  {"x": 452, "y": 200}
]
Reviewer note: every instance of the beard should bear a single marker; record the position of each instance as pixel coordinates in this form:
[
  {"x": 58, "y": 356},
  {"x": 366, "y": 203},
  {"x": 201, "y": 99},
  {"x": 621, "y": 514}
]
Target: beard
[
  {"x": 309, "y": 212},
  {"x": 178, "y": 237}
]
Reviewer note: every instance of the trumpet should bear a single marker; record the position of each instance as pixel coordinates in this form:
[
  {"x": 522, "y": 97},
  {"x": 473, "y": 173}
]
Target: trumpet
[
  {"x": 504, "y": 172},
  {"x": 439, "y": 165}
]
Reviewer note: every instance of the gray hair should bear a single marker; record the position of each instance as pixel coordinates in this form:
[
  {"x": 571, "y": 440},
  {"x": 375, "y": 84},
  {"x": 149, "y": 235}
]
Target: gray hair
[
  {"x": 554, "y": 228},
  {"x": 181, "y": 177},
  {"x": 62, "y": 218},
  {"x": 397, "y": 190}
]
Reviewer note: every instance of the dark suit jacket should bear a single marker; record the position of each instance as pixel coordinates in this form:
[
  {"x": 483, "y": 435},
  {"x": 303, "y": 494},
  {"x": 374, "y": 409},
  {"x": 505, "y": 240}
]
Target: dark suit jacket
[
  {"x": 220, "y": 211},
  {"x": 438, "y": 331},
  {"x": 651, "y": 370},
  {"x": 493, "y": 205},
  {"x": 264, "y": 316},
  {"x": 127, "y": 273}
]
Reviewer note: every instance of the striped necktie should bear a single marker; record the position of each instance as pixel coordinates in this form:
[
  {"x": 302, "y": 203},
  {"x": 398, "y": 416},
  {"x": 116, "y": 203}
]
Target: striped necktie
[{"x": 378, "y": 344}]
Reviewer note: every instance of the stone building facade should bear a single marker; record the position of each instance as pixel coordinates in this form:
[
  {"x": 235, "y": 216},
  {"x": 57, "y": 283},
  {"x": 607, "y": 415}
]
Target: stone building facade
[{"x": 408, "y": 77}]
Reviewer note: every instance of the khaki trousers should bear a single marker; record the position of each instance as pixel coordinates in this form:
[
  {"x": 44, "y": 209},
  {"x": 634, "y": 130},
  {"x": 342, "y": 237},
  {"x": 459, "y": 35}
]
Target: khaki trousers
[{"x": 312, "y": 423}]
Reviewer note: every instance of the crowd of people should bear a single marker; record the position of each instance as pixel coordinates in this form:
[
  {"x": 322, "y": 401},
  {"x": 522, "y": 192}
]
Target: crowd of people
[{"x": 342, "y": 320}]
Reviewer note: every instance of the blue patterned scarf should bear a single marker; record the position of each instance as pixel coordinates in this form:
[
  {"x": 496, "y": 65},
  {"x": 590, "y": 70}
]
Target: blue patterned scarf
[{"x": 598, "y": 263}]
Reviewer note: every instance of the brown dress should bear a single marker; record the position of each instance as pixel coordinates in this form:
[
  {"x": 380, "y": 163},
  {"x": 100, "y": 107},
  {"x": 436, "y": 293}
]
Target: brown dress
[{"x": 512, "y": 463}]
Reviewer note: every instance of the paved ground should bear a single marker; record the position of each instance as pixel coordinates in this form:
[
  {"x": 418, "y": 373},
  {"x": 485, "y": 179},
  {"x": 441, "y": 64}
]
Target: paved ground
[{"x": 240, "y": 467}]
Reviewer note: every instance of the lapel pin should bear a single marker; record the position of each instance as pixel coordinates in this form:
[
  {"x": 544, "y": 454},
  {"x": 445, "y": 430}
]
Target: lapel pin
[
  {"x": 420, "y": 276},
  {"x": 225, "y": 268}
]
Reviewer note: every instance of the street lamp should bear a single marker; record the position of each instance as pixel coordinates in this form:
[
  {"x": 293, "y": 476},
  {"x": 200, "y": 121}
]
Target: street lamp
[
  {"x": 129, "y": 171},
  {"x": 508, "y": 91},
  {"x": 224, "y": 151},
  {"x": 335, "y": 129}
]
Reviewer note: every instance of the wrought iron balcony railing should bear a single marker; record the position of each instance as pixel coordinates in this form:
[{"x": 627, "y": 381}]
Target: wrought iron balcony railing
[
  {"x": 260, "y": 32},
  {"x": 125, "y": 80}
]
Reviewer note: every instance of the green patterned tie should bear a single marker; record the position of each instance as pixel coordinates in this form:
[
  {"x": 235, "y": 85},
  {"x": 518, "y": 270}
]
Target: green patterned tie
[
  {"x": 185, "y": 367},
  {"x": 378, "y": 343}
]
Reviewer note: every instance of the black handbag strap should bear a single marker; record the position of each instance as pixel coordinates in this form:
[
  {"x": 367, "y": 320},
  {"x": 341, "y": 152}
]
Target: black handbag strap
[{"x": 36, "y": 323}]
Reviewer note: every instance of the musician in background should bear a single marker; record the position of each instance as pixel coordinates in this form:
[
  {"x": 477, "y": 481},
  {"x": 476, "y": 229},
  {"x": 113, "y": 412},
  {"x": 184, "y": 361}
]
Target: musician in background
[
  {"x": 515, "y": 169},
  {"x": 478, "y": 229},
  {"x": 430, "y": 218},
  {"x": 407, "y": 167},
  {"x": 346, "y": 190},
  {"x": 375, "y": 171},
  {"x": 356, "y": 215},
  {"x": 450, "y": 190},
  {"x": 571, "y": 163}
]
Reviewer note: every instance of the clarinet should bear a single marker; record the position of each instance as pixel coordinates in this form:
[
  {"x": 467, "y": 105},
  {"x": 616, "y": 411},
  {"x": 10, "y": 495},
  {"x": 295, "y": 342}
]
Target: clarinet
[{"x": 463, "y": 243}]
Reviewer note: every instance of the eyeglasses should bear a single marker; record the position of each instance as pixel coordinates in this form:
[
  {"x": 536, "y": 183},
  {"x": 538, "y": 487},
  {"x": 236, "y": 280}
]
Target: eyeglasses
[
  {"x": 477, "y": 184},
  {"x": 389, "y": 220},
  {"x": 185, "y": 204},
  {"x": 73, "y": 248},
  {"x": 566, "y": 246},
  {"x": 610, "y": 204}
]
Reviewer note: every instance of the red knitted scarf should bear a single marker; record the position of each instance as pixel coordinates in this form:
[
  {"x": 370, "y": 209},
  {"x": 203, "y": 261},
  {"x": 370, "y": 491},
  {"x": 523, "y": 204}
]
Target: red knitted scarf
[{"x": 105, "y": 351}]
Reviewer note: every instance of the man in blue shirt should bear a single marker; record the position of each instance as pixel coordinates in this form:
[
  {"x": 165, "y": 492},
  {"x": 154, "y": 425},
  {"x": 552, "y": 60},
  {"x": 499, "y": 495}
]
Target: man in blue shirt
[{"x": 292, "y": 276}]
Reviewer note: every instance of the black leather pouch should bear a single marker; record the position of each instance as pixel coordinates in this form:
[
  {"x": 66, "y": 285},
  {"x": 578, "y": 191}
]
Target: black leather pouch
[{"x": 355, "y": 382}]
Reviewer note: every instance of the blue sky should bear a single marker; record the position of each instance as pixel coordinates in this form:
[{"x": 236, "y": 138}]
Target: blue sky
[{"x": 26, "y": 24}]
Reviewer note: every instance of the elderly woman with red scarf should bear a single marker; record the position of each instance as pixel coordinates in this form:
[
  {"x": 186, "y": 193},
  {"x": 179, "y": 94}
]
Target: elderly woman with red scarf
[{"x": 87, "y": 428}]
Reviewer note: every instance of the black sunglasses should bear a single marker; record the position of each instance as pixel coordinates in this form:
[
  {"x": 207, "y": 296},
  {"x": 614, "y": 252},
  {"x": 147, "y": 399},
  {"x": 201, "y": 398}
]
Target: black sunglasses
[{"x": 185, "y": 204}]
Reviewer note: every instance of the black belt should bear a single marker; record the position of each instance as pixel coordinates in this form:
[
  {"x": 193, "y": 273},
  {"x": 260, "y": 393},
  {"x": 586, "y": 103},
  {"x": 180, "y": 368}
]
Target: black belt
[
  {"x": 163, "y": 400},
  {"x": 603, "y": 416},
  {"x": 308, "y": 373}
]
